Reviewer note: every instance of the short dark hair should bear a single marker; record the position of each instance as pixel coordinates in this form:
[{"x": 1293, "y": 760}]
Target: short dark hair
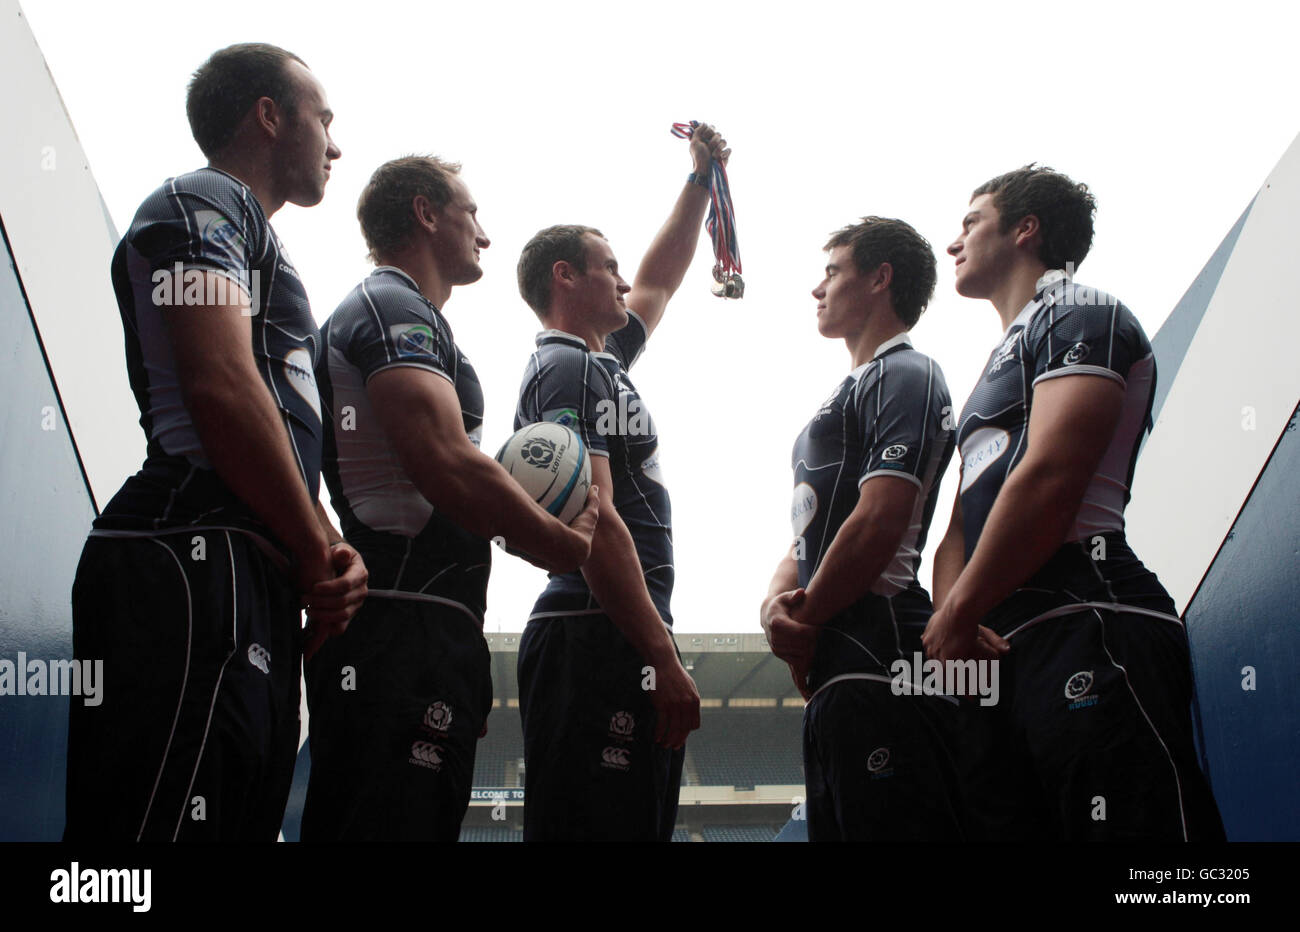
[
  {"x": 881, "y": 239},
  {"x": 384, "y": 208},
  {"x": 1064, "y": 209},
  {"x": 563, "y": 243},
  {"x": 231, "y": 81}
]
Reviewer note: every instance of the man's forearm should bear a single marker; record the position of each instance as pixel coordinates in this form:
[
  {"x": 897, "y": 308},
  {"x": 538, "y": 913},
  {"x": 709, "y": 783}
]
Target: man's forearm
[
  {"x": 245, "y": 439},
  {"x": 861, "y": 551},
  {"x": 665, "y": 263},
  {"x": 949, "y": 560},
  {"x": 786, "y": 576},
  {"x": 475, "y": 492},
  {"x": 1024, "y": 528},
  {"x": 613, "y": 571}
]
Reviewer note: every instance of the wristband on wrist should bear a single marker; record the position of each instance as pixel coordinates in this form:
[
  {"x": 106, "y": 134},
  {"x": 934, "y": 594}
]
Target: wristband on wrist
[{"x": 704, "y": 180}]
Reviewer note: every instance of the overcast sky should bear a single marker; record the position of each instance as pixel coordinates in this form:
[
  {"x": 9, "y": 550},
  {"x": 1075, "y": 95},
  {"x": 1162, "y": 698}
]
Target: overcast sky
[{"x": 1172, "y": 114}]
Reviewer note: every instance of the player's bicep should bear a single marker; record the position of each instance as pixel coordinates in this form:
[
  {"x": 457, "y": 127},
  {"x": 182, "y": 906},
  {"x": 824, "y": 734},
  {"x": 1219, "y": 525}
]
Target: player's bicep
[
  {"x": 886, "y": 503},
  {"x": 211, "y": 343},
  {"x": 1071, "y": 425},
  {"x": 419, "y": 412}
]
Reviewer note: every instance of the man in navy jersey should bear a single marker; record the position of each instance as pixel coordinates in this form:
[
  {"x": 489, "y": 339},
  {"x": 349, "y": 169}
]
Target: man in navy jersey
[
  {"x": 845, "y": 605},
  {"x": 191, "y": 583},
  {"x": 605, "y": 702},
  {"x": 1092, "y": 739},
  {"x": 399, "y": 700}
]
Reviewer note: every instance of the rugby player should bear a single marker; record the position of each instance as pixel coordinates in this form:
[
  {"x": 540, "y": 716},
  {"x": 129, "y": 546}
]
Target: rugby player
[
  {"x": 1093, "y": 737},
  {"x": 605, "y": 701},
  {"x": 845, "y": 603},
  {"x": 191, "y": 582},
  {"x": 399, "y": 700}
]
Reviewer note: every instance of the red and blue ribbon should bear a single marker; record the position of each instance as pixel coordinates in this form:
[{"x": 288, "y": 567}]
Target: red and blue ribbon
[{"x": 721, "y": 222}]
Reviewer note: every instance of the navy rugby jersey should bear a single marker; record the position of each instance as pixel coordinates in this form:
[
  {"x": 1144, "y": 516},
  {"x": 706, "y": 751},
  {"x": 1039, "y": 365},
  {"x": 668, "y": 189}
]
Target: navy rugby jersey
[
  {"x": 207, "y": 221},
  {"x": 591, "y": 394},
  {"x": 891, "y": 416},
  {"x": 1067, "y": 329},
  {"x": 408, "y": 545}
]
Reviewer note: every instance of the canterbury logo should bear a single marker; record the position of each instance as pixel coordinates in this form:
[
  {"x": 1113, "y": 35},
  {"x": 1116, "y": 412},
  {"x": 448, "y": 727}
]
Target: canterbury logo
[
  {"x": 426, "y": 753},
  {"x": 259, "y": 657},
  {"x": 616, "y": 757}
]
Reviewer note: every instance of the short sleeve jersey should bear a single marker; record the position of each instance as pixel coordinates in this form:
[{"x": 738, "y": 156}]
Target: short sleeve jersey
[
  {"x": 409, "y": 546},
  {"x": 891, "y": 416},
  {"x": 591, "y": 394},
  {"x": 207, "y": 221},
  {"x": 1067, "y": 329}
]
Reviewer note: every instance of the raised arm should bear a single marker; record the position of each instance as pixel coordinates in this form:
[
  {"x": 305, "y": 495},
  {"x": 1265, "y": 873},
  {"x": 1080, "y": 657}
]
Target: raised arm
[{"x": 665, "y": 263}]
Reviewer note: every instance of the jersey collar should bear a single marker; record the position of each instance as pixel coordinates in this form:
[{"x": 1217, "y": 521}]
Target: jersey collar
[
  {"x": 560, "y": 336},
  {"x": 399, "y": 273},
  {"x": 900, "y": 339},
  {"x": 1049, "y": 279}
]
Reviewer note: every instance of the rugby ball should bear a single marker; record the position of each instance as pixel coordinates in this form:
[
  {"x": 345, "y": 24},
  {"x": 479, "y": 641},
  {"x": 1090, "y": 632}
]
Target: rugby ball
[{"x": 551, "y": 463}]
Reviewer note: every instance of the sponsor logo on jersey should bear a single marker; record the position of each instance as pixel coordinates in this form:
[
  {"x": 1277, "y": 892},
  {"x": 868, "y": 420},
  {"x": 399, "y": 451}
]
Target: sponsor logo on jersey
[
  {"x": 1076, "y": 354},
  {"x": 980, "y": 450},
  {"x": 565, "y": 416},
  {"x": 426, "y": 754},
  {"x": 259, "y": 657},
  {"x": 298, "y": 372},
  {"x": 616, "y": 758},
  {"x": 622, "y": 724},
  {"x": 412, "y": 339},
  {"x": 215, "y": 230},
  {"x": 1078, "y": 689},
  {"x": 896, "y": 452},
  {"x": 437, "y": 717},
  {"x": 538, "y": 451},
  {"x": 877, "y": 761},
  {"x": 803, "y": 508}
]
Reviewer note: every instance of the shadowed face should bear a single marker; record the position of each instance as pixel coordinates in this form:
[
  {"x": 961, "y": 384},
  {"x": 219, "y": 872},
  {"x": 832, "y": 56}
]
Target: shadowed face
[{"x": 304, "y": 149}]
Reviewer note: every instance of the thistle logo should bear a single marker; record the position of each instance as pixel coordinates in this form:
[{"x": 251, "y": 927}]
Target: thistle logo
[
  {"x": 1004, "y": 352},
  {"x": 877, "y": 761},
  {"x": 1075, "y": 354},
  {"x": 425, "y": 754},
  {"x": 616, "y": 758},
  {"x": 896, "y": 452},
  {"x": 1077, "y": 689},
  {"x": 539, "y": 452},
  {"x": 259, "y": 657},
  {"x": 438, "y": 717},
  {"x": 622, "y": 724}
]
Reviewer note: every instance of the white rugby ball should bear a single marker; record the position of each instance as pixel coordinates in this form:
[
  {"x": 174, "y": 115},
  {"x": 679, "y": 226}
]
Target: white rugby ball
[{"x": 551, "y": 463}]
